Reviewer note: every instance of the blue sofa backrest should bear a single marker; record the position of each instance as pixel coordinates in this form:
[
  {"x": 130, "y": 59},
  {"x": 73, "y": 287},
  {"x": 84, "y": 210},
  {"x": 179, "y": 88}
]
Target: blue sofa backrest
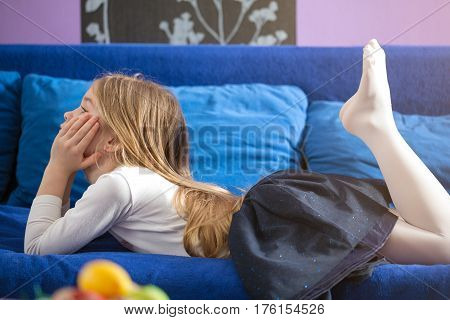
[{"x": 419, "y": 76}]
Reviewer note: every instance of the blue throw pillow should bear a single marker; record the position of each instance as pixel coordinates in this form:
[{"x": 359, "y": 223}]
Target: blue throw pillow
[
  {"x": 242, "y": 132},
  {"x": 329, "y": 148},
  {"x": 237, "y": 133},
  {"x": 10, "y": 85},
  {"x": 44, "y": 102}
]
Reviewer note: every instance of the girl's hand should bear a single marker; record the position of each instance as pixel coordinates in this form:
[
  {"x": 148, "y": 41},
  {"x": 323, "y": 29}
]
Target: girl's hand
[{"x": 67, "y": 153}]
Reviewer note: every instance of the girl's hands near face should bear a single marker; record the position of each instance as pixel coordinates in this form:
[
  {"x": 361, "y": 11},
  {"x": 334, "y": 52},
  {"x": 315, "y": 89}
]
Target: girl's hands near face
[{"x": 70, "y": 143}]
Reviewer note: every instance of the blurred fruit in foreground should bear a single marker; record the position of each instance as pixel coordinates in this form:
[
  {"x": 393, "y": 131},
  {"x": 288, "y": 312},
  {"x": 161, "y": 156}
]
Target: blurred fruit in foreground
[
  {"x": 148, "y": 292},
  {"x": 105, "y": 278},
  {"x": 64, "y": 293},
  {"x": 72, "y": 293},
  {"x": 39, "y": 294}
]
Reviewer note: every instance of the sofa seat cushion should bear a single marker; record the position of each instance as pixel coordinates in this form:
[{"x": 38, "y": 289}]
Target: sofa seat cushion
[{"x": 184, "y": 277}]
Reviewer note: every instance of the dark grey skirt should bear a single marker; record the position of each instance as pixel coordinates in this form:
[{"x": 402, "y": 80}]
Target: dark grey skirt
[{"x": 299, "y": 233}]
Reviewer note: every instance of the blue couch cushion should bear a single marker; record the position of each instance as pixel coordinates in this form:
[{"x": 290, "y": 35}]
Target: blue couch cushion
[
  {"x": 329, "y": 148},
  {"x": 238, "y": 133},
  {"x": 44, "y": 102},
  {"x": 181, "y": 277},
  {"x": 184, "y": 277},
  {"x": 10, "y": 85}
]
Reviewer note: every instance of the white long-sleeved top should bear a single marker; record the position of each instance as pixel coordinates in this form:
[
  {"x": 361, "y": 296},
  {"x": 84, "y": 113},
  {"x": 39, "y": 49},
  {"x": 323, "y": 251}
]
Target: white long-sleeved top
[{"x": 133, "y": 203}]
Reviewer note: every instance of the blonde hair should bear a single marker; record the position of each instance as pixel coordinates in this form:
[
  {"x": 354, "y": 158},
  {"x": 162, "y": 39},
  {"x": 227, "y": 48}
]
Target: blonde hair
[{"x": 151, "y": 132}]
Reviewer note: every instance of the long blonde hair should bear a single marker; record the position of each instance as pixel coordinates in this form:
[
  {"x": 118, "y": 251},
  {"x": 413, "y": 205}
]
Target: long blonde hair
[{"x": 151, "y": 132}]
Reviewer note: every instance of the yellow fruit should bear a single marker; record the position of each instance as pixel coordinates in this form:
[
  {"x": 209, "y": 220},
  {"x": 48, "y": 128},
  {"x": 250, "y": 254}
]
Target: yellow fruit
[{"x": 105, "y": 278}]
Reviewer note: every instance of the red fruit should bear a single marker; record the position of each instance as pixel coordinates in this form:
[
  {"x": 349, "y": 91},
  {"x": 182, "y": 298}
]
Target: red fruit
[
  {"x": 87, "y": 295},
  {"x": 72, "y": 293}
]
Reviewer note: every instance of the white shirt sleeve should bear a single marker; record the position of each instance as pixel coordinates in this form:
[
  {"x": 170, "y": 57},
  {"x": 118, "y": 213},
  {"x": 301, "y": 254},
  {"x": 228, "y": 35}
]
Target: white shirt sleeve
[{"x": 103, "y": 204}]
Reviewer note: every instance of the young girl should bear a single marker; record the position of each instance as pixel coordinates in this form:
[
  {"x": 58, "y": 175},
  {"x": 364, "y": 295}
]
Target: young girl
[{"x": 130, "y": 138}]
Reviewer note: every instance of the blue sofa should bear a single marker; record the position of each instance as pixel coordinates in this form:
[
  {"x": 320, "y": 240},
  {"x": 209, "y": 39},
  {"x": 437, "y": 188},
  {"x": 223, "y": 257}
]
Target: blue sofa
[{"x": 419, "y": 80}]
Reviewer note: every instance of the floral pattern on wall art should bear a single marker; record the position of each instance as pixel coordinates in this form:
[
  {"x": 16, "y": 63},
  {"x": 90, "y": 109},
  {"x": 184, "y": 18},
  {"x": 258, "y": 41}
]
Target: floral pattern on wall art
[{"x": 253, "y": 22}]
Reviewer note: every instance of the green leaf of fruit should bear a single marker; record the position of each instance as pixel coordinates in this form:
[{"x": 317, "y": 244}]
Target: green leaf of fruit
[{"x": 148, "y": 292}]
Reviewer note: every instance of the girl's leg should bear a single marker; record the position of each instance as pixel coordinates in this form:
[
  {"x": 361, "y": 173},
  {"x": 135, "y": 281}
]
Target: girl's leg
[
  {"x": 418, "y": 196},
  {"x": 408, "y": 244}
]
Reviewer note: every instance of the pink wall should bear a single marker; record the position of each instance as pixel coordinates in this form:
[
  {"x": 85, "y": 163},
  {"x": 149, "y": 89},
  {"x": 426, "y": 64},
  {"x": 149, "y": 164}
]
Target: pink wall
[
  {"x": 319, "y": 23},
  {"x": 61, "y": 18},
  {"x": 354, "y": 22}
]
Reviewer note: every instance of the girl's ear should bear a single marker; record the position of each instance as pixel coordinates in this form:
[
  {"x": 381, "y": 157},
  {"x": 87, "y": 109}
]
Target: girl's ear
[{"x": 111, "y": 144}]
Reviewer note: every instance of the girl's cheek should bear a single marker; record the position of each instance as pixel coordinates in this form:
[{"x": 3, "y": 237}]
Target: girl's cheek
[{"x": 96, "y": 143}]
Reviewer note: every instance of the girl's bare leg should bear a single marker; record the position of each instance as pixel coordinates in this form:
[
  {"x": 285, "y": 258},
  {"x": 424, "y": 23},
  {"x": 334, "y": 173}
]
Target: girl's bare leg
[
  {"x": 423, "y": 235},
  {"x": 408, "y": 244}
]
